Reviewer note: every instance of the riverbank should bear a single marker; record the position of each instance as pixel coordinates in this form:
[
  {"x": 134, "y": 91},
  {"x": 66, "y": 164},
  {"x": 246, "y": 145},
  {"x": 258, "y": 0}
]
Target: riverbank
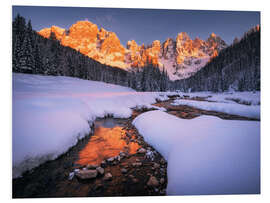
[{"x": 141, "y": 173}]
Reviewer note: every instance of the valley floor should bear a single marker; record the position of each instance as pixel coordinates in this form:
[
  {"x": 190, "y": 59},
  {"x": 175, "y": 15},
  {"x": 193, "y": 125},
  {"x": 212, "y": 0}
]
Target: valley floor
[{"x": 206, "y": 154}]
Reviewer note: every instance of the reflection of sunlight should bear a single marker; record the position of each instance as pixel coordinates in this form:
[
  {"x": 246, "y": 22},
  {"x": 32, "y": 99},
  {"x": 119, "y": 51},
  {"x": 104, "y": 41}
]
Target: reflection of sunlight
[{"x": 105, "y": 143}]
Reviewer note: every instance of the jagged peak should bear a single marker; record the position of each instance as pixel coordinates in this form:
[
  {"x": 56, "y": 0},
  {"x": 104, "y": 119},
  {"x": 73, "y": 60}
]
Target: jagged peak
[
  {"x": 182, "y": 36},
  {"x": 213, "y": 35},
  {"x": 83, "y": 22},
  {"x": 156, "y": 43},
  {"x": 131, "y": 43},
  {"x": 102, "y": 30}
]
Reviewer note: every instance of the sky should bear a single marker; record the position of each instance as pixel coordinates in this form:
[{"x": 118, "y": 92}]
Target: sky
[{"x": 145, "y": 25}]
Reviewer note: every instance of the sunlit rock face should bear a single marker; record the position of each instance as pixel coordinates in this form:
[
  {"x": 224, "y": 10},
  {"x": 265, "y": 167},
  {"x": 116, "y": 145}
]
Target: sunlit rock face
[
  {"x": 85, "y": 37},
  {"x": 46, "y": 32},
  {"x": 181, "y": 57}
]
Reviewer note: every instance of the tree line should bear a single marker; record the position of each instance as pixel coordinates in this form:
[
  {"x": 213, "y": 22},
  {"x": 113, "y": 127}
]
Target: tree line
[{"x": 34, "y": 54}]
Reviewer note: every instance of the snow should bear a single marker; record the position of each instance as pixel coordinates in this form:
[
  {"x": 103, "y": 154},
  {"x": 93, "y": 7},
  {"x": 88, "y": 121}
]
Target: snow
[
  {"x": 50, "y": 114},
  {"x": 206, "y": 155},
  {"x": 229, "y": 108},
  {"x": 250, "y": 98}
]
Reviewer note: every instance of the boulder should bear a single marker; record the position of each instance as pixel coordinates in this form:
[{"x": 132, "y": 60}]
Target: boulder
[
  {"x": 137, "y": 164},
  {"x": 156, "y": 165},
  {"x": 108, "y": 177},
  {"x": 123, "y": 170},
  {"x": 152, "y": 182},
  {"x": 110, "y": 159},
  {"x": 87, "y": 174},
  {"x": 91, "y": 166},
  {"x": 100, "y": 170},
  {"x": 162, "y": 180}
]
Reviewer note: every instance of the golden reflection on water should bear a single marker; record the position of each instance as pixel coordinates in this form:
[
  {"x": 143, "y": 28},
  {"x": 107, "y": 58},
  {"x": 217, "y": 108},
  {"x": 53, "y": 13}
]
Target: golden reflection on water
[{"x": 106, "y": 143}]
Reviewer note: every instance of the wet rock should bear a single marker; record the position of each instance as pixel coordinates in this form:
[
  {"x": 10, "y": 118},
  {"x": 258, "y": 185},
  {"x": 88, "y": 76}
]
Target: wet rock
[
  {"x": 156, "y": 165},
  {"x": 152, "y": 182},
  {"x": 134, "y": 180},
  {"x": 100, "y": 170},
  {"x": 110, "y": 159},
  {"x": 162, "y": 161},
  {"x": 71, "y": 175},
  {"x": 137, "y": 164},
  {"x": 162, "y": 180},
  {"x": 76, "y": 170},
  {"x": 150, "y": 155},
  {"x": 91, "y": 166},
  {"x": 108, "y": 177},
  {"x": 123, "y": 170},
  {"x": 142, "y": 151},
  {"x": 122, "y": 154},
  {"x": 103, "y": 163},
  {"x": 118, "y": 158},
  {"x": 86, "y": 174}
]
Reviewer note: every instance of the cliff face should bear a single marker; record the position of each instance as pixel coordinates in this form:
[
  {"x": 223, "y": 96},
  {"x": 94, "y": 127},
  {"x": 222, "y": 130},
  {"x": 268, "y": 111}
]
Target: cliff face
[{"x": 181, "y": 57}]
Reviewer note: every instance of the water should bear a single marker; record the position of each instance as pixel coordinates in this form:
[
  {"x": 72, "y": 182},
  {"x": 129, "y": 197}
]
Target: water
[{"x": 108, "y": 140}]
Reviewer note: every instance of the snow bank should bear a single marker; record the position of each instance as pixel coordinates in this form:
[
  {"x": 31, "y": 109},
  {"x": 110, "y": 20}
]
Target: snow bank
[
  {"x": 51, "y": 113},
  {"x": 250, "y": 98},
  {"x": 229, "y": 108},
  {"x": 205, "y": 155}
]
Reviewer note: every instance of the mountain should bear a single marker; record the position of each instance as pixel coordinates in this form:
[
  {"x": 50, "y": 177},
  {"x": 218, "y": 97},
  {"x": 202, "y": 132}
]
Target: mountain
[
  {"x": 237, "y": 67},
  {"x": 181, "y": 57}
]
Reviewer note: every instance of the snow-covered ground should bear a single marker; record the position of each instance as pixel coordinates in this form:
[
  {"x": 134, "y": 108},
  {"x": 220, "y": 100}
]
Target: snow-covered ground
[
  {"x": 252, "y": 111},
  {"x": 51, "y": 113},
  {"x": 206, "y": 155},
  {"x": 251, "y": 98}
]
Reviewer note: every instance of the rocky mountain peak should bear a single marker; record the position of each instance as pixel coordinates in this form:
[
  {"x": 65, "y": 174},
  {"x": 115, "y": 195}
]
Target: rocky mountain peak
[
  {"x": 182, "y": 36},
  {"x": 180, "y": 57}
]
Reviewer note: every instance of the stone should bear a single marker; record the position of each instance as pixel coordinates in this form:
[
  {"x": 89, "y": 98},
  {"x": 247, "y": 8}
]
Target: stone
[
  {"x": 71, "y": 175},
  {"x": 142, "y": 151},
  {"x": 103, "y": 163},
  {"x": 100, "y": 170},
  {"x": 162, "y": 161},
  {"x": 108, "y": 177},
  {"x": 118, "y": 158},
  {"x": 91, "y": 166},
  {"x": 137, "y": 164},
  {"x": 110, "y": 159},
  {"x": 123, "y": 170},
  {"x": 152, "y": 182},
  {"x": 162, "y": 180},
  {"x": 134, "y": 180},
  {"x": 86, "y": 174},
  {"x": 122, "y": 154},
  {"x": 156, "y": 165}
]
